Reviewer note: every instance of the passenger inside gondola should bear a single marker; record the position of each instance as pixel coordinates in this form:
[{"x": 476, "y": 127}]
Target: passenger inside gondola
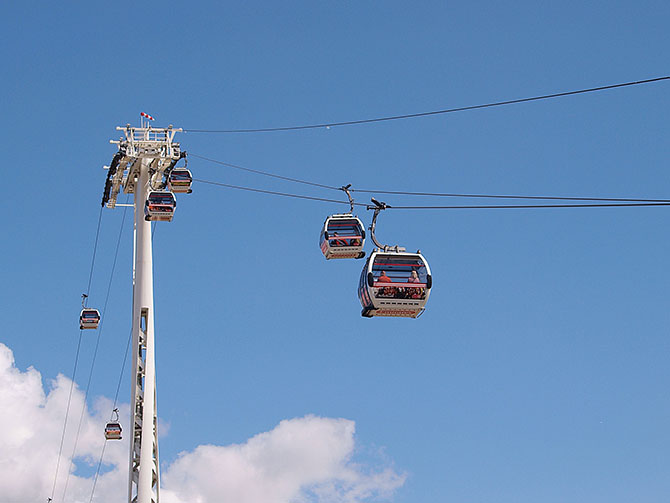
[
  {"x": 180, "y": 175},
  {"x": 345, "y": 232},
  {"x": 336, "y": 240},
  {"x": 161, "y": 201},
  {"x": 407, "y": 275},
  {"x": 90, "y": 315}
]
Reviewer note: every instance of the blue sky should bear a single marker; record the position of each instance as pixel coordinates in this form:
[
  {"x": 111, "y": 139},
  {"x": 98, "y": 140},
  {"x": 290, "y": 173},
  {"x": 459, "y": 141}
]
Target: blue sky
[{"x": 539, "y": 370}]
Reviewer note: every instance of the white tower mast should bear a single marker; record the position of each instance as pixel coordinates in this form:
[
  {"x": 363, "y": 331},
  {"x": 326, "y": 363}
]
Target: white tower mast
[{"x": 145, "y": 158}]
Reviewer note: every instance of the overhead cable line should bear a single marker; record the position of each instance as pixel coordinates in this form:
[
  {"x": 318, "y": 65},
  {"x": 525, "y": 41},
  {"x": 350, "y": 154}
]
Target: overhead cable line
[
  {"x": 67, "y": 413},
  {"x": 433, "y": 112},
  {"x": 116, "y": 398},
  {"x": 286, "y": 194},
  {"x": 525, "y": 206},
  {"x": 431, "y": 194},
  {"x": 499, "y": 196},
  {"x": 95, "y": 250},
  {"x": 97, "y": 345},
  {"x": 265, "y": 173},
  {"x": 76, "y": 359},
  {"x": 125, "y": 357},
  {"x": 453, "y": 207}
]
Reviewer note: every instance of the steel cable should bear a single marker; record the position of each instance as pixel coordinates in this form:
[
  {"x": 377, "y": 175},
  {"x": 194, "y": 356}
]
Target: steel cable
[
  {"x": 433, "y": 112},
  {"x": 95, "y": 352},
  {"x": 76, "y": 360},
  {"x": 429, "y": 194},
  {"x": 452, "y": 207}
]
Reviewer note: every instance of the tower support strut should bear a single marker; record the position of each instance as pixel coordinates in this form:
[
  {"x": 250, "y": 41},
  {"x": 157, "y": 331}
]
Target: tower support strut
[{"x": 143, "y": 478}]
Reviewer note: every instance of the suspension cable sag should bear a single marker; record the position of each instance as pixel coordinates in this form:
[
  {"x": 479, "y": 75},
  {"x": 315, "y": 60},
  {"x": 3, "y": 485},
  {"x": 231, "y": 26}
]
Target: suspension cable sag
[
  {"x": 432, "y": 194},
  {"x": 433, "y": 112}
]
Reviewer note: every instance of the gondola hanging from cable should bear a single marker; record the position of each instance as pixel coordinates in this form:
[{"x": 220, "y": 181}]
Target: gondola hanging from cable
[
  {"x": 113, "y": 428},
  {"x": 180, "y": 181},
  {"x": 160, "y": 206},
  {"x": 88, "y": 318},
  {"x": 343, "y": 234},
  {"x": 393, "y": 281}
]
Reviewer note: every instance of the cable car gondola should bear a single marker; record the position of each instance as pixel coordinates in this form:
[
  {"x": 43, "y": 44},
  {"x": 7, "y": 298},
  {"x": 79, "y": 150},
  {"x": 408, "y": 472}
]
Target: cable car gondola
[
  {"x": 113, "y": 431},
  {"x": 113, "y": 428},
  {"x": 343, "y": 234},
  {"x": 394, "y": 283},
  {"x": 89, "y": 318},
  {"x": 160, "y": 206},
  {"x": 180, "y": 181}
]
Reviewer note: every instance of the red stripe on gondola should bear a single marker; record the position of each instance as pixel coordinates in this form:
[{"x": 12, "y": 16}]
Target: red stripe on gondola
[
  {"x": 398, "y": 264},
  {"x": 393, "y": 283}
]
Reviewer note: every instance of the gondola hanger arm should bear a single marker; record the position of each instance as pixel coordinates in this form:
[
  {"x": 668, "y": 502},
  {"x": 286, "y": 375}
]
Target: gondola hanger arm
[
  {"x": 346, "y": 188},
  {"x": 379, "y": 206}
]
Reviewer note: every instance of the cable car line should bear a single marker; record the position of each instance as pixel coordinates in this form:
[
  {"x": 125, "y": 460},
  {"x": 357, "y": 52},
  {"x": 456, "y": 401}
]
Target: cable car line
[
  {"x": 123, "y": 365},
  {"x": 525, "y": 206},
  {"x": 67, "y": 413},
  {"x": 265, "y": 173},
  {"x": 285, "y": 194},
  {"x": 451, "y": 207},
  {"x": 433, "y": 112},
  {"x": 95, "y": 352},
  {"x": 435, "y": 194},
  {"x": 76, "y": 359},
  {"x": 116, "y": 398},
  {"x": 95, "y": 250},
  {"x": 500, "y": 196}
]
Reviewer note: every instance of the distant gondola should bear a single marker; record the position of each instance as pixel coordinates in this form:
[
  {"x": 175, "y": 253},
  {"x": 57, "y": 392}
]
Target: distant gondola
[
  {"x": 113, "y": 431},
  {"x": 180, "y": 181},
  {"x": 89, "y": 318},
  {"x": 160, "y": 206},
  {"x": 342, "y": 236},
  {"x": 113, "y": 428}
]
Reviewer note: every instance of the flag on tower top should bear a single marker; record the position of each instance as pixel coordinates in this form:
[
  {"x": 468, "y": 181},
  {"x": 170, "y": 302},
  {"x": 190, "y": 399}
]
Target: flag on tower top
[{"x": 147, "y": 116}]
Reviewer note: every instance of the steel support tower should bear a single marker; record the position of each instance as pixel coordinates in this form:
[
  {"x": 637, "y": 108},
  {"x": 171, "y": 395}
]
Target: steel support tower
[{"x": 143, "y": 163}]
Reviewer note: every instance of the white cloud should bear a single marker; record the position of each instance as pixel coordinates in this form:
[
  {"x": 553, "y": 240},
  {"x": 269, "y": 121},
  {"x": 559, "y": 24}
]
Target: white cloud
[
  {"x": 31, "y": 425},
  {"x": 301, "y": 460}
]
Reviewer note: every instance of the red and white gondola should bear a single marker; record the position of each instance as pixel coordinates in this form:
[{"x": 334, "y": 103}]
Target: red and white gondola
[
  {"x": 394, "y": 283},
  {"x": 342, "y": 236},
  {"x": 180, "y": 181},
  {"x": 89, "y": 318},
  {"x": 160, "y": 206},
  {"x": 113, "y": 428},
  {"x": 113, "y": 431}
]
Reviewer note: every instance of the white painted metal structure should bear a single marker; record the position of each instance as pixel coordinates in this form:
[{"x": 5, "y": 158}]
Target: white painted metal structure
[{"x": 145, "y": 157}]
